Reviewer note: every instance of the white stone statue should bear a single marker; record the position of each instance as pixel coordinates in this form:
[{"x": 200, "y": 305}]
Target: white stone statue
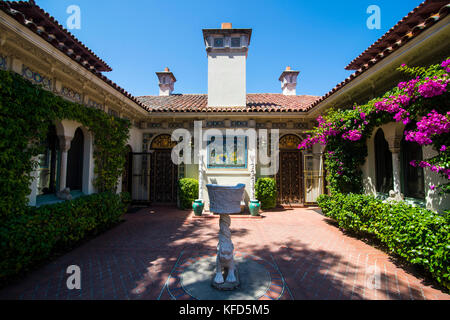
[
  {"x": 64, "y": 194},
  {"x": 225, "y": 200},
  {"x": 225, "y": 252},
  {"x": 394, "y": 197}
]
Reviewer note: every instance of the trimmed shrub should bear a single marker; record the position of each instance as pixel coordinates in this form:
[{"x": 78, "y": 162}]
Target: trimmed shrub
[
  {"x": 266, "y": 192},
  {"x": 188, "y": 192},
  {"x": 418, "y": 235},
  {"x": 32, "y": 237}
]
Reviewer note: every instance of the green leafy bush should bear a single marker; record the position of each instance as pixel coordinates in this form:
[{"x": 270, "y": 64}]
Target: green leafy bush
[
  {"x": 188, "y": 192},
  {"x": 266, "y": 192},
  {"x": 32, "y": 237},
  {"x": 418, "y": 235}
]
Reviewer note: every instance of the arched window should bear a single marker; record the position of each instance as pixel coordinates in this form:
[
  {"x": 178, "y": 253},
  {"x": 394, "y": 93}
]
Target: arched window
[
  {"x": 412, "y": 177},
  {"x": 75, "y": 162},
  {"x": 383, "y": 164},
  {"x": 49, "y": 164}
]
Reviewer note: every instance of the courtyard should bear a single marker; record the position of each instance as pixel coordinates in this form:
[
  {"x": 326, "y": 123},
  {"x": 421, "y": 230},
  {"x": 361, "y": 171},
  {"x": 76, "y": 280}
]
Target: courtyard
[
  {"x": 305, "y": 254},
  {"x": 333, "y": 191}
]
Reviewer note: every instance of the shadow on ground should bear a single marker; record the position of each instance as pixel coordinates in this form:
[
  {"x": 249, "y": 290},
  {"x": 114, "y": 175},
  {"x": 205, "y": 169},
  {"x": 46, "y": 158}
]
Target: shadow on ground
[{"x": 134, "y": 260}]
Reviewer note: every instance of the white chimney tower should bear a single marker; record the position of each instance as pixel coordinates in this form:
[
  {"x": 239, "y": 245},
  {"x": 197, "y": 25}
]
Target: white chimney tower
[
  {"x": 166, "y": 82},
  {"x": 289, "y": 81},
  {"x": 227, "y": 50}
]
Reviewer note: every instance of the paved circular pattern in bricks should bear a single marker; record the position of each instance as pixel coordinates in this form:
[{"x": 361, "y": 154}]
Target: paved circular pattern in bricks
[{"x": 259, "y": 279}]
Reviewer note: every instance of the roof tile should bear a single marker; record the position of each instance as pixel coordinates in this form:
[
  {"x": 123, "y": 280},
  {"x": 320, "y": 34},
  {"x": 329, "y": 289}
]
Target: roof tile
[{"x": 256, "y": 102}]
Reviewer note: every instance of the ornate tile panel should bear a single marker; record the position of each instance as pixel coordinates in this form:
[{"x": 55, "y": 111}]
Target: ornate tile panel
[{"x": 36, "y": 77}]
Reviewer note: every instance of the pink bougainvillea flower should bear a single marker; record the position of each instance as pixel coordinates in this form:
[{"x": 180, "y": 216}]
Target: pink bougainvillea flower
[
  {"x": 432, "y": 187},
  {"x": 430, "y": 125},
  {"x": 443, "y": 149},
  {"x": 435, "y": 169},
  {"x": 413, "y": 163},
  {"x": 424, "y": 164},
  {"x": 445, "y": 64},
  {"x": 352, "y": 135},
  {"x": 432, "y": 88}
]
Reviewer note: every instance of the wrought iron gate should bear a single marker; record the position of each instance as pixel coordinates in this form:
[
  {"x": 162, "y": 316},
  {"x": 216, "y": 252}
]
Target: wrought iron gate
[
  {"x": 164, "y": 178},
  {"x": 290, "y": 178},
  {"x": 140, "y": 177},
  {"x": 313, "y": 172}
]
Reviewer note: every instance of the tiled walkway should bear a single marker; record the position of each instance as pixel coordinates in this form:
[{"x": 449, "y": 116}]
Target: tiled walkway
[{"x": 306, "y": 256}]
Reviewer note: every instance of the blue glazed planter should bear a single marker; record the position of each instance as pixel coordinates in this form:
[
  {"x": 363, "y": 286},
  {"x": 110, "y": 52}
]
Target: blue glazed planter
[
  {"x": 198, "y": 206},
  {"x": 254, "y": 207}
]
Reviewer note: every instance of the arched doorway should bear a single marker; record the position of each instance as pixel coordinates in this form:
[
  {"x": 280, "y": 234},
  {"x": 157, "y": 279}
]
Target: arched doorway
[
  {"x": 49, "y": 164},
  {"x": 290, "y": 173},
  {"x": 412, "y": 178},
  {"x": 127, "y": 170},
  {"x": 383, "y": 164},
  {"x": 163, "y": 172},
  {"x": 75, "y": 158}
]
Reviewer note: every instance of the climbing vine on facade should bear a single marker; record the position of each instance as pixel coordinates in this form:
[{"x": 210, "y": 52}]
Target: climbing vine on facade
[
  {"x": 26, "y": 112},
  {"x": 423, "y": 101}
]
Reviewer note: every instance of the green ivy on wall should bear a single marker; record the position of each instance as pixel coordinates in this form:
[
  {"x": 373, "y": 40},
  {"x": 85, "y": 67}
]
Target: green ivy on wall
[{"x": 26, "y": 112}]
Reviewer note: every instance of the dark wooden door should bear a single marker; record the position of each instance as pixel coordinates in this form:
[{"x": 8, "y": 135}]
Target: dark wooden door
[
  {"x": 164, "y": 178},
  {"x": 75, "y": 162},
  {"x": 289, "y": 178}
]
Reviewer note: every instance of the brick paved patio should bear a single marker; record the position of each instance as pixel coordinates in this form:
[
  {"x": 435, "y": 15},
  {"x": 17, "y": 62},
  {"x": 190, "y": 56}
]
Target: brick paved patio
[{"x": 308, "y": 258}]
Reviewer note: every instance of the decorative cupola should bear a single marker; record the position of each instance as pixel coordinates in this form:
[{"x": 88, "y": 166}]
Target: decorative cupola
[
  {"x": 227, "y": 50},
  {"x": 289, "y": 81},
  {"x": 166, "y": 82}
]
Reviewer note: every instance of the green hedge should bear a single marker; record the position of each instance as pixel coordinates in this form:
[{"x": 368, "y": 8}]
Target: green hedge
[
  {"x": 30, "y": 238},
  {"x": 26, "y": 112},
  {"x": 188, "y": 192},
  {"x": 266, "y": 192},
  {"x": 418, "y": 235}
]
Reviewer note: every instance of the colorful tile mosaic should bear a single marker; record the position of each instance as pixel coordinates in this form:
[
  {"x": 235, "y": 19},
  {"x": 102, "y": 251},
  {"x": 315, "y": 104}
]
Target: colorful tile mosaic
[
  {"x": 71, "y": 94},
  {"x": 279, "y": 125},
  {"x": 36, "y": 77},
  {"x": 176, "y": 125},
  {"x": 239, "y": 124},
  {"x": 95, "y": 105},
  {"x": 215, "y": 124}
]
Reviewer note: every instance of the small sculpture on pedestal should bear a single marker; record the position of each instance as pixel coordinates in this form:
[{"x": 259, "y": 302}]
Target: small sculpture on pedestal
[
  {"x": 394, "y": 197},
  {"x": 225, "y": 200}
]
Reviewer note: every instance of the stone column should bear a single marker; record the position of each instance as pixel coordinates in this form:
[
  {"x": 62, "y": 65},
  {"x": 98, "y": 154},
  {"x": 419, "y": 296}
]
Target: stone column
[
  {"x": 64, "y": 143},
  {"x": 394, "y": 147},
  {"x": 396, "y": 171},
  {"x": 200, "y": 175},
  {"x": 252, "y": 165}
]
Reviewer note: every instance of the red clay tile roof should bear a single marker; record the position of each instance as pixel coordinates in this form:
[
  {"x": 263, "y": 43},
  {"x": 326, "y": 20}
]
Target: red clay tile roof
[
  {"x": 410, "y": 26},
  {"x": 256, "y": 102},
  {"x": 32, "y": 16},
  {"x": 423, "y": 17}
]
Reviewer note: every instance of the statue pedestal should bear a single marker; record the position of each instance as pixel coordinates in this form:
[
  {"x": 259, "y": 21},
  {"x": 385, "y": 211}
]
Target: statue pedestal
[
  {"x": 227, "y": 286},
  {"x": 226, "y": 277},
  {"x": 225, "y": 201}
]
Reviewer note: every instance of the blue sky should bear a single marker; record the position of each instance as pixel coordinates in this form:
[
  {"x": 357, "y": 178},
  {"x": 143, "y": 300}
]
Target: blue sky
[{"x": 139, "y": 37}]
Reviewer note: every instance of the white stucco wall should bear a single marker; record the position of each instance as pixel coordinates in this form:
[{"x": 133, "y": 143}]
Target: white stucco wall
[{"x": 227, "y": 79}]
